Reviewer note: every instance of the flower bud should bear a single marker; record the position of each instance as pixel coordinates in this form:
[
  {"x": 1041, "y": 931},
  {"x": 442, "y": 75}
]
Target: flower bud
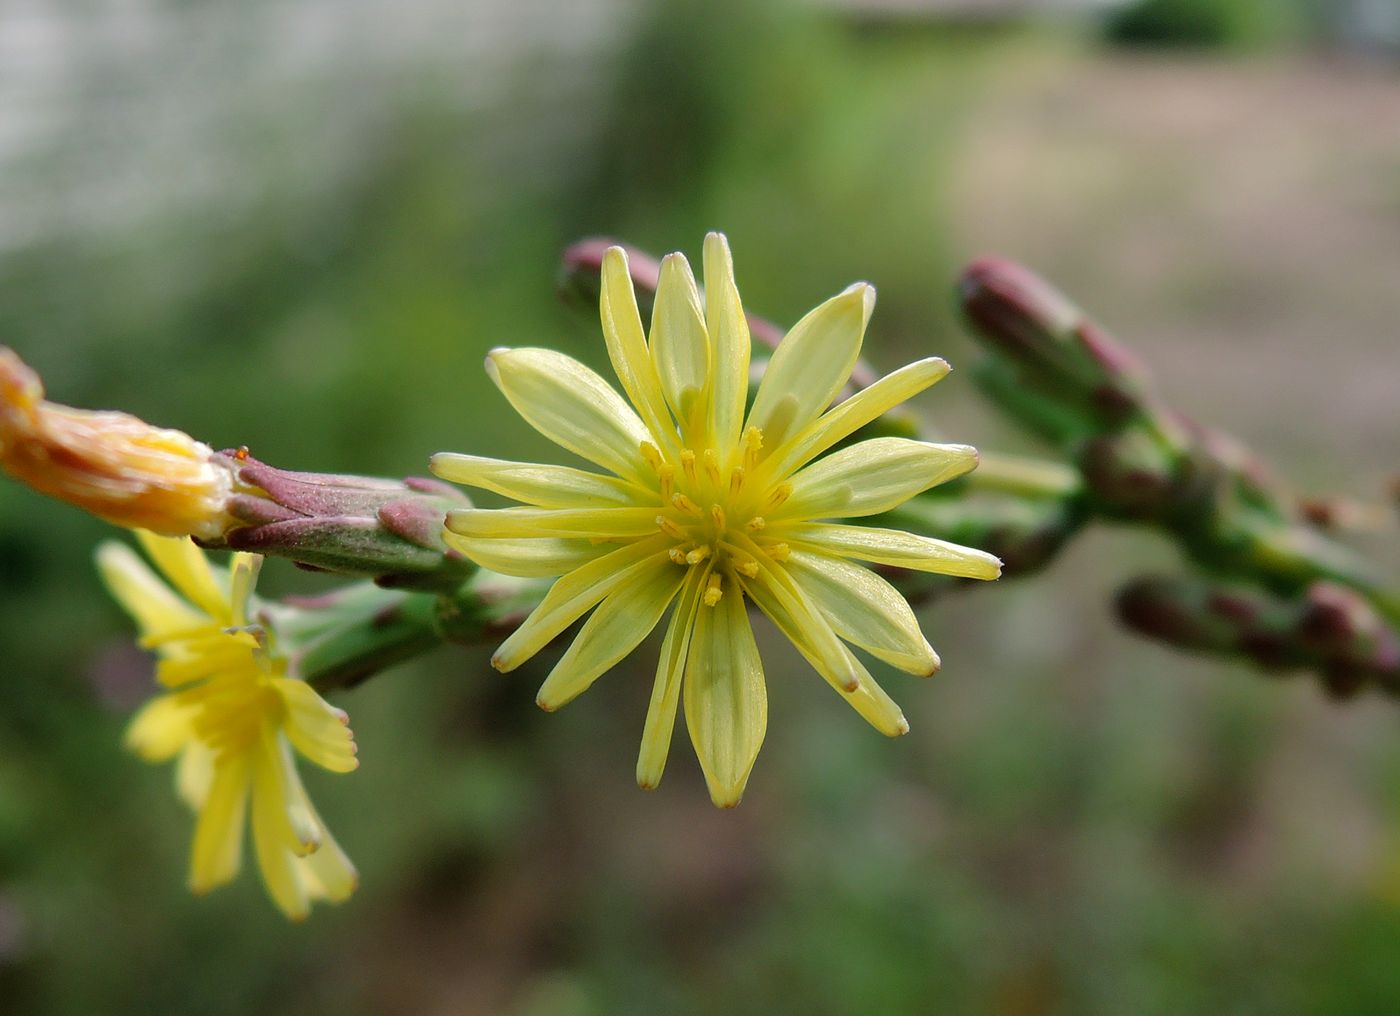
[
  {"x": 132, "y": 474},
  {"x": 1021, "y": 316},
  {"x": 113, "y": 465},
  {"x": 390, "y": 530},
  {"x": 1326, "y": 628}
]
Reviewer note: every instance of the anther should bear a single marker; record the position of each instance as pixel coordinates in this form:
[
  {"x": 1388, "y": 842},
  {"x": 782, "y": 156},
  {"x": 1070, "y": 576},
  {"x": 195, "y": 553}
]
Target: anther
[
  {"x": 669, "y": 527},
  {"x": 777, "y": 496},
  {"x": 747, "y": 567},
  {"x": 686, "y": 505},
  {"x": 713, "y": 591},
  {"x": 736, "y": 480},
  {"x": 667, "y": 472},
  {"x": 677, "y": 555},
  {"x": 697, "y": 555},
  {"x": 779, "y": 551},
  {"x": 756, "y": 523},
  {"x": 753, "y": 442},
  {"x": 688, "y": 464},
  {"x": 711, "y": 461},
  {"x": 652, "y": 454},
  {"x": 717, "y": 513}
]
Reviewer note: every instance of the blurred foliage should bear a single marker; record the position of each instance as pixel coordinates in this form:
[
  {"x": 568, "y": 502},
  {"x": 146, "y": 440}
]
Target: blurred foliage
[
  {"x": 1209, "y": 24},
  {"x": 1073, "y": 826}
]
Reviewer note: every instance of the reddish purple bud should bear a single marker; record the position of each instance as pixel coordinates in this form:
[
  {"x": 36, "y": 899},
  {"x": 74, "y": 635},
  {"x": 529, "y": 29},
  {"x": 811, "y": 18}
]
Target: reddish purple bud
[{"x": 1029, "y": 321}]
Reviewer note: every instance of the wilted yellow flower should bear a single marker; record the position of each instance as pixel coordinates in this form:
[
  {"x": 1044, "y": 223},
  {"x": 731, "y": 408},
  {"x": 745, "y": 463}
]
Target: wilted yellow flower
[
  {"x": 704, "y": 508},
  {"x": 113, "y": 465},
  {"x": 233, "y": 719}
]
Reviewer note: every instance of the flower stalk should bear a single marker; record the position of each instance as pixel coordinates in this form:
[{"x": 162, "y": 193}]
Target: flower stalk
[{"x": 1066, "y": 379}]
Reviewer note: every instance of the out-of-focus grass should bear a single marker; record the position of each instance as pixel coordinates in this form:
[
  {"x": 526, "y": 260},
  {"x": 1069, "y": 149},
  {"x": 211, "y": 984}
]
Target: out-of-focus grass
[{"x": 1078, "y": 823}]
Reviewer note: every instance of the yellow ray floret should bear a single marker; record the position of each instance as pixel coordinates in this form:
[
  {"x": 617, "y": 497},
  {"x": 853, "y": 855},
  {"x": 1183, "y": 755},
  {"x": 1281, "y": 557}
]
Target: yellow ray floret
[
  {"x": 234, "y": 721},
  {"x": 703, "y": 509}
]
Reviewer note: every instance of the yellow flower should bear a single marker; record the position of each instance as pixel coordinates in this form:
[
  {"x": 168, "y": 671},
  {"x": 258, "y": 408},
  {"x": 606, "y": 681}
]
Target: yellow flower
[
  {"x": 113, "y": 465},
  {"x": 705, "y": 508},
  {"x": 233, "y": 719}
]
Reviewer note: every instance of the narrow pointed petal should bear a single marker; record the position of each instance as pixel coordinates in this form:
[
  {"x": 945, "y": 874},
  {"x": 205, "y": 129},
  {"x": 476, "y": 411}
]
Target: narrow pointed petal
[
  {"x": 873, "y": 476},
  {"x": 276, "y": 862},
  {"x": 811, "y": 364},
  {"x": 897, "y": 549},
  {"x": 726, "y": 703},
  {"x": 194, "y": 774},
  {"x": 773, "y": 589},
  {"x": 666, "y": 690},
  {"x": 865, "y": 406},
  {"x": 873, "y": 704},
  {"x": 161, "y": 730},
  {"x": 526, "y": 523},
  {"x": 730, "y": 343},
  {"x": 828, "y": 655},
  {"x": 680, "y": 346},
  {"x": 328, "y": 874},
  {"x": 223, "y": 655},
  {"x": 218, "y": 834},
  {"x": 544, "y": 486},
  {"x": 572, "y": 406},
  {"x": 243, "y": 576},
  {"x": 316, "y": 728},
  {"x": 276, "y": 783},
  {"x": 865, "y": 610},
  {"x": 188, "y": 570},
  {"x": 574, "y": 595},
  {"x": 621, "y": 621},
  {"x": 540, "y": 557},
  {"x": 627, "y": 347},
  {"x": 151, "y": 603}
]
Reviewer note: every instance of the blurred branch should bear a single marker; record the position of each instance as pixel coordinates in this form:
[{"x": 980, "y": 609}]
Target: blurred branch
[{"x": 1064, "y": 378}]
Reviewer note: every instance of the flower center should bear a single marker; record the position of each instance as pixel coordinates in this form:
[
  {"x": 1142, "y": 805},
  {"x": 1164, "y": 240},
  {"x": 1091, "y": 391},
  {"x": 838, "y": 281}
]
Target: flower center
[{"x": 715, "y": 512}]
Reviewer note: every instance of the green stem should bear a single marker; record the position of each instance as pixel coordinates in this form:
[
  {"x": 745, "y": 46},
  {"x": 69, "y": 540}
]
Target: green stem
[
  {"x": 1022, "y": 476},
  {"x": 364, "y": 629},
  {"x": 369, "y": 641}
]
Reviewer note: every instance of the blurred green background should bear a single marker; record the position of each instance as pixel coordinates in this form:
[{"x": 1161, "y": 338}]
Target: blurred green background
[{"x": 299, "y": 226}]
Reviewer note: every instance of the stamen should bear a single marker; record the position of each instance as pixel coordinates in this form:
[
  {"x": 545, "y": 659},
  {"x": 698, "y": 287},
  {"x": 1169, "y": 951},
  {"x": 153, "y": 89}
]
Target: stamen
[
  {"x": 778, "y": 551},
  {"x": 669, "y": 527},
  {"x": 711, "y": 461},
  {"x": 686, "y": 505},
  {"x": 748, "y": 567},
  {"x": 677, "y": 554},
  {"x": 753, "y": 441},
  {"x": 667, "y": 472},
  {"x": 688, "y": 464},
  {"x": 697, "y": 555},
  {"x": 777, "y": 496},
  {"x": 736, "y": 480},
  {"x": 714, "y": 590},
  {"x": 652, "y": 454},
  {"x": 756, "y": 523},
  {"x": 717, "y": 513}
]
